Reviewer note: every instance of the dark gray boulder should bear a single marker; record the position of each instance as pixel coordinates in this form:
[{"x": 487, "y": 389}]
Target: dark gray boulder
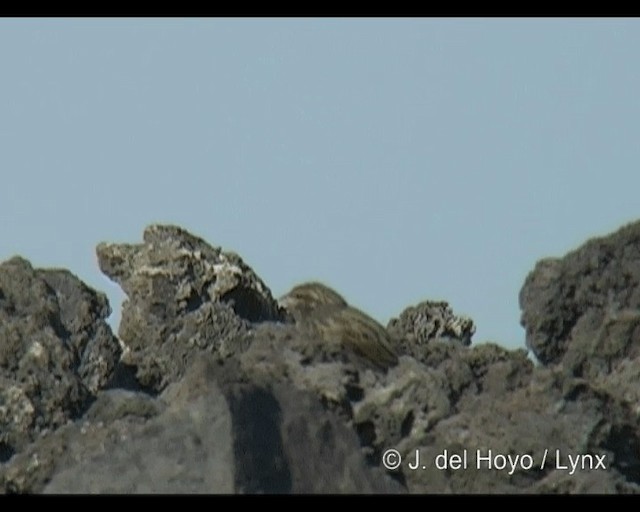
[
  {"x": 56, "y": 350},
  {"x": 207, "y": 433},
  {"x": 564, "y": 301}
]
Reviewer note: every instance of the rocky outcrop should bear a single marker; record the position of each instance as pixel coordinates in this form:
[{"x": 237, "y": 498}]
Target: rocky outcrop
[
  {"x": 427, "y": 322},
  {"x": 56, "y": 351},
  {"x": 218, "y": 391},
  {"x": 582, "y": 318},
  {"x": 184, "y": 298},
  {"x": 565, "y": 301},
  {"x": 582, "y": 313}
]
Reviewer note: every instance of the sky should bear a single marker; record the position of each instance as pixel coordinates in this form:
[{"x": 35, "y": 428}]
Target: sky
[{"x": 396, "y": 160}]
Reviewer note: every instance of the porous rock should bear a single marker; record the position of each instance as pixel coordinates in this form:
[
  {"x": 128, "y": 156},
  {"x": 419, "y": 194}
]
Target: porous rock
[
  {"x": 56, "y": 350},
  {"x": 428, "y": 322},
  {"x": 582, "y": 313},
  {"x": 545, "y": 416},
  {"x": 564, "y": 301},
  {"x": 235, "y": 398},
  {"x": 210, "y": 432},
  {"x": 184, "y": 297}
]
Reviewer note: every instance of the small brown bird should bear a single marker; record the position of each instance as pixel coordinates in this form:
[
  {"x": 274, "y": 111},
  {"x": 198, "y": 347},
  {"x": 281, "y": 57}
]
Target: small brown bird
[{"x": 318, "y": 307}]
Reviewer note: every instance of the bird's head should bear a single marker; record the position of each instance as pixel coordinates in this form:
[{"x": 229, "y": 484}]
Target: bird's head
[{"x": 306, "y": 298}]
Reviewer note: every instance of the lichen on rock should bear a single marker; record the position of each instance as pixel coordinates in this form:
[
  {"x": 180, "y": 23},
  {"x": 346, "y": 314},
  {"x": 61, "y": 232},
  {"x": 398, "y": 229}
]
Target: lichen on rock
[
  {"x": 184, "y": 296},
  {"x": 218, "y": 390},
  {"x": 428, "y": 322}
]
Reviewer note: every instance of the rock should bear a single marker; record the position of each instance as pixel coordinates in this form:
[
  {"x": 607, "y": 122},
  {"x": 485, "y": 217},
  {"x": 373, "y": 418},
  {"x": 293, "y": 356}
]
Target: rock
[
  {"x": 116, "y": 404},
  {"x": 56, "y": 350},
  {"x": 207, "y": 433},
  {"x": 278, "y": 449},
  {"x": 187, "y": 448},
  {"x": 217, "y": 391},
  {"x": 582, "y": 316},
  {"x": 428, "y": 322},
  {"x": 287, "y": 355},
  {"x": 184, "y": 297},
  {"x": 414, "y": 405},
  {"x": 410, "y": 398},
  {"x": 565, "y": 300},
  {"x": 113, "y": 418},
  {"x": 546, "y": 413},
  {"x": 497, "y": 370}
]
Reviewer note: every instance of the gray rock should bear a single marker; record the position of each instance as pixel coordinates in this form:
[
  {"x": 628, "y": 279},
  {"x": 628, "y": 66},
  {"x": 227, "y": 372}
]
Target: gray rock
[
  {"x": 582, "y": 316},
  {"x": 216, "y": 435},
  {"x": 546, "y": 413},
  {"x": 187, "y": 448},
  {"x": 223, "y": 394},
  {"x": 565, "y": 300},
  {"x": 428, "y": 322},
  {"x": 324, "y": 455},
  {"x": 116, "y": 404},
  {"x": 497, "y": 370},
  {"x": 56, "y": 350},
  {"x": 184, "y": 297}
]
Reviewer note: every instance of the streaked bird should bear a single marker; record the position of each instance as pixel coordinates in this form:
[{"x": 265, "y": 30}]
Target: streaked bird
[{"x": 327, "y": 315}]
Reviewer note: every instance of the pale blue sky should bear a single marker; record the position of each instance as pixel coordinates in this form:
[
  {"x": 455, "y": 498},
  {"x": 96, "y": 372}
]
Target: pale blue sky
[{"x": 396, "y": 160}]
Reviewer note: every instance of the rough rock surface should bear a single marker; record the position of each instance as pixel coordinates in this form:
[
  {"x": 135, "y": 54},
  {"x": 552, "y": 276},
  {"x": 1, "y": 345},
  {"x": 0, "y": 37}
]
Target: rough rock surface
[
  {"x": 184, "y": 297},
  {"x": 565, "y": 300},
  {"x": 429, "y": 321},
  {"x": 217, "y": 391},
  {"x": 56, "y": 350}
]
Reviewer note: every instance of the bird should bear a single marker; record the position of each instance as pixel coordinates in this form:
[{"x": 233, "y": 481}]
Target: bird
[{"x": 316, "y": 307}]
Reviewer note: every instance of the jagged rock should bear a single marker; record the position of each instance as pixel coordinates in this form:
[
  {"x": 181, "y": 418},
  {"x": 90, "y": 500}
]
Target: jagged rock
[
  {"x": 565, "y": 300},
  {"x": 497, "y": 370},
  {"x": 110, "y": 422},
  {"x": 184, "y": 297},
  {"x": 187, "y": 448},
  {"x": 582, "y": 313},
  {"x": 116, "y": 404},
  {"x": 278, "y": 448},
  {"x": 284, "y": 354},
  {"x": 56, "y": 350},
  {"x": 598, "y": 351},
  {"x": 410, "y": 397},
  {"x": 582, "y": 316},
  {"x": 211, "y": 432},
  {"x": 406, "y": 408},
  {"x": 428, "y": 322},
  {"x": 232, "y": 397},
  {"x": 548, "y": 412}
]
